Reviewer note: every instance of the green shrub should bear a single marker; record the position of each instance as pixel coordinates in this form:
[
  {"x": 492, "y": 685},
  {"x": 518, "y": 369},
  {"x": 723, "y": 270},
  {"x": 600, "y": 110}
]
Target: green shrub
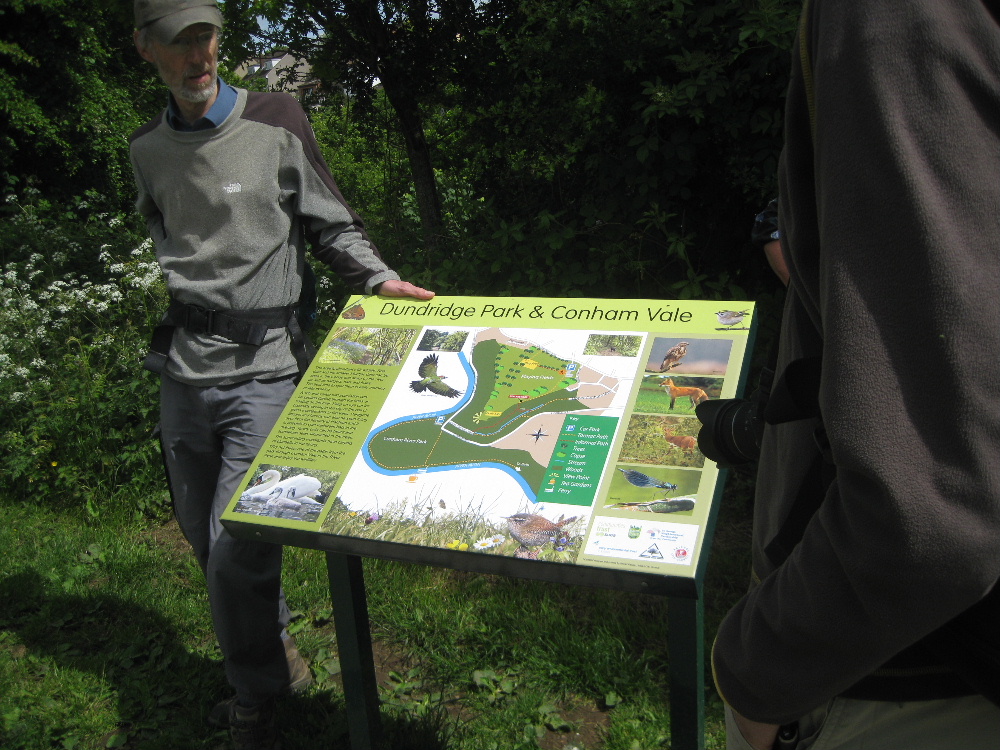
[{"x": 80, "y": 291}]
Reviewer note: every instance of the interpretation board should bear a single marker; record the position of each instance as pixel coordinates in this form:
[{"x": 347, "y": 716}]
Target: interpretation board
[{"x": 533, "y": 429}]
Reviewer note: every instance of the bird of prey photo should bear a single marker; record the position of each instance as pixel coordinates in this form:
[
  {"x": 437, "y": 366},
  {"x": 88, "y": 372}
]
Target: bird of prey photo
[
  {"x": 431, "y": 381},
  {"x": 639, "y": 479},
  {"x": 674, "y": 356},
  {"x": 729, "y": 318}
]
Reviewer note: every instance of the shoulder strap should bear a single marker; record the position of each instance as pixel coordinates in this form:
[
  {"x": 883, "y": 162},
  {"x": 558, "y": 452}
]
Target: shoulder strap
[{"x": 806, "y": 62}]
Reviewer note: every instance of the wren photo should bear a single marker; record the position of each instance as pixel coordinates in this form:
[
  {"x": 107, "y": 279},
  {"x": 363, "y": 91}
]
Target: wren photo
[{"x": 537, "y": 531}]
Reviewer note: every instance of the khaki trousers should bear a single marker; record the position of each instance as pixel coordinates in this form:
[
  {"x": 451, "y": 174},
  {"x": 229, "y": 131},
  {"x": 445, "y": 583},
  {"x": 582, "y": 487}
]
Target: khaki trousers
[{"x": 971, "y": 723}]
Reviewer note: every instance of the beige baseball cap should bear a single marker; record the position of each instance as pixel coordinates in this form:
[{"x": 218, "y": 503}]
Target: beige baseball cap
[{"x": 168, "y": 18}]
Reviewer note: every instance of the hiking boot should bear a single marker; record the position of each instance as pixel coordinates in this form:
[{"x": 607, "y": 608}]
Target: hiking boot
[
  {"x": 299, "y": 676},
  {"x": 219, "y": 715},
  {"x": 253, "y": 728}
]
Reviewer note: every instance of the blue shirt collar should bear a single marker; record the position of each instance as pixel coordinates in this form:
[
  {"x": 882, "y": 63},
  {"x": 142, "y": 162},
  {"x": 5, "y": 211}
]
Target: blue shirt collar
[{"x": 215, "y": 116}]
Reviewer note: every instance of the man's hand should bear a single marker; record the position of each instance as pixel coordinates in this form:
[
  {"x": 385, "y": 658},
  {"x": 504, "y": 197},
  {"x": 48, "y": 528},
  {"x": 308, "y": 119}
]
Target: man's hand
[
  {"x": 394, "y": 288},
  {"x": 758, "y": 736}
]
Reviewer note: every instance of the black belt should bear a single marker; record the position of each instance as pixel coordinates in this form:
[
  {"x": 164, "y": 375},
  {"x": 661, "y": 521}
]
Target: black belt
[{"x": 239, "y": 326}]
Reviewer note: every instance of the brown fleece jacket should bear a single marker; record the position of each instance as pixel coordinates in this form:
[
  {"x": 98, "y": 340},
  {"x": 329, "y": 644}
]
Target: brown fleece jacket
[{"x": 891, "y": 222}]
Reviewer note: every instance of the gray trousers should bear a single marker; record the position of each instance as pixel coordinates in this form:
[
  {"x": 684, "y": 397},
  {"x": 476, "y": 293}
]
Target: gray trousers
[{"x": 210, "y": 437}]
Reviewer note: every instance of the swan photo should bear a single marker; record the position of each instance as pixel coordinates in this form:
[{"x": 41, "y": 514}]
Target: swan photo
[{"x": 298, "y": 496}]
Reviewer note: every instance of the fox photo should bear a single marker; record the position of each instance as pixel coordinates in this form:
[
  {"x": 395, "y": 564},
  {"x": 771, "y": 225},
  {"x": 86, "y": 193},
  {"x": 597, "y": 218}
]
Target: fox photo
[{"x": 675, "y": 395}]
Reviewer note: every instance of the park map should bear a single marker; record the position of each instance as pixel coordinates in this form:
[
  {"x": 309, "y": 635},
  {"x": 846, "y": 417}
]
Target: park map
[{"x": 517, "y": 399}]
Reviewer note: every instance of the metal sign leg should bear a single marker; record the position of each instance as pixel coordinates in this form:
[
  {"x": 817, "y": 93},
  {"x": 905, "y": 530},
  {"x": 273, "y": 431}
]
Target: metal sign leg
[
  {"x": 685, "y": 625},
  {"x": 686, "y": 639},
  {"x": 357, "y": 663}
]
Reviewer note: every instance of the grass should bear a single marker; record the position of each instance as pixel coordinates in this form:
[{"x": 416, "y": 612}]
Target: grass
[
  {"x": 105, "y": 641},
  {"x": 469, "y": 531}
]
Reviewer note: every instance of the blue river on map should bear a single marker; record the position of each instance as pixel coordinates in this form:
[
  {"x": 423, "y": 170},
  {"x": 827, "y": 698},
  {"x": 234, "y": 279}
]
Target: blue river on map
[{"x": 441, "y": 416}]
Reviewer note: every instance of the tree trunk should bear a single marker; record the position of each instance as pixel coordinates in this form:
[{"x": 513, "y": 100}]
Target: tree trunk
[
  {"x": 418, "y": 153},
  {"x": 394, "y": 71}
]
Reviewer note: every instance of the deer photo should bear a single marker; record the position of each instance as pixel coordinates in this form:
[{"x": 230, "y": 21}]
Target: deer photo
[{"x": 686, "y": 443}]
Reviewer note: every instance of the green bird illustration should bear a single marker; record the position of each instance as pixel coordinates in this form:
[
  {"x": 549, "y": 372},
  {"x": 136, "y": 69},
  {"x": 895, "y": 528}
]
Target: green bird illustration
[{"x": 431, "y": 381}]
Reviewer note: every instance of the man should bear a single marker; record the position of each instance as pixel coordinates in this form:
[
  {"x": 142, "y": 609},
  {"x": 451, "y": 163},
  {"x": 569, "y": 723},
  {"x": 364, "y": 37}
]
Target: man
[
  {"x": 871, "y": 623},
  {"x": 231, "y": 184}
]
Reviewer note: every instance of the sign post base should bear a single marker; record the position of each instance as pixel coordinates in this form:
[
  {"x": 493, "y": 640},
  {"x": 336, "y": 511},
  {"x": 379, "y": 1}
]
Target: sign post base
[{"x": 357, "y": 663}]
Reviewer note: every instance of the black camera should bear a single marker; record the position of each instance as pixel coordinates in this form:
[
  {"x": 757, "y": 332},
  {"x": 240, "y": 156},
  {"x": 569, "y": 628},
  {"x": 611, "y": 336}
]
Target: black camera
[{"x": 732, "y": 428}]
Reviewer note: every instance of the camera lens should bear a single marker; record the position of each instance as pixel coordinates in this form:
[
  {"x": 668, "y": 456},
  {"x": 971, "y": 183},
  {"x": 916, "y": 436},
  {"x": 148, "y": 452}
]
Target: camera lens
[{"x": 731, "y": 431}]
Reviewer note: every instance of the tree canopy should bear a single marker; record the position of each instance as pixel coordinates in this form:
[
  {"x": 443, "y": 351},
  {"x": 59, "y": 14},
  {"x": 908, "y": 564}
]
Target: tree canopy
[
  {"x": 607, "y": 147},
  {"x": 71, "y": 90},
  {"x": 623, "y": 143}
]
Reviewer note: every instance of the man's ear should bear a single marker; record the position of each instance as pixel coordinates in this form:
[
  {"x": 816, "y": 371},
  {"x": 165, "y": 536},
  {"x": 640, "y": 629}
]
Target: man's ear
[{"x": 143, "y": 52}]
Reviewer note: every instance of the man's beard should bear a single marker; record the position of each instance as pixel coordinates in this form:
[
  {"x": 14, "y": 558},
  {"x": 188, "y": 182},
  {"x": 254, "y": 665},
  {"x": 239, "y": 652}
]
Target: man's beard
[{"x": 197, "y": 95}]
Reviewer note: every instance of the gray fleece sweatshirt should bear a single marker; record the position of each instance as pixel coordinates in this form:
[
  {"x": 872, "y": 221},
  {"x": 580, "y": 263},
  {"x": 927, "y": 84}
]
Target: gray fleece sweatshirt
[{"x": 230, "y": 210}]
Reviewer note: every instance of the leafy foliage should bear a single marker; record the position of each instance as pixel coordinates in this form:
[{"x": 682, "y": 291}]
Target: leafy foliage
[
  {"x": 631, "y": 143},
  {"x": 79, "y": 293},
  {"x": 70, "y": 93},
  {"x": 608, "y": 148},
  {"x": 410, "y": 49}
]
